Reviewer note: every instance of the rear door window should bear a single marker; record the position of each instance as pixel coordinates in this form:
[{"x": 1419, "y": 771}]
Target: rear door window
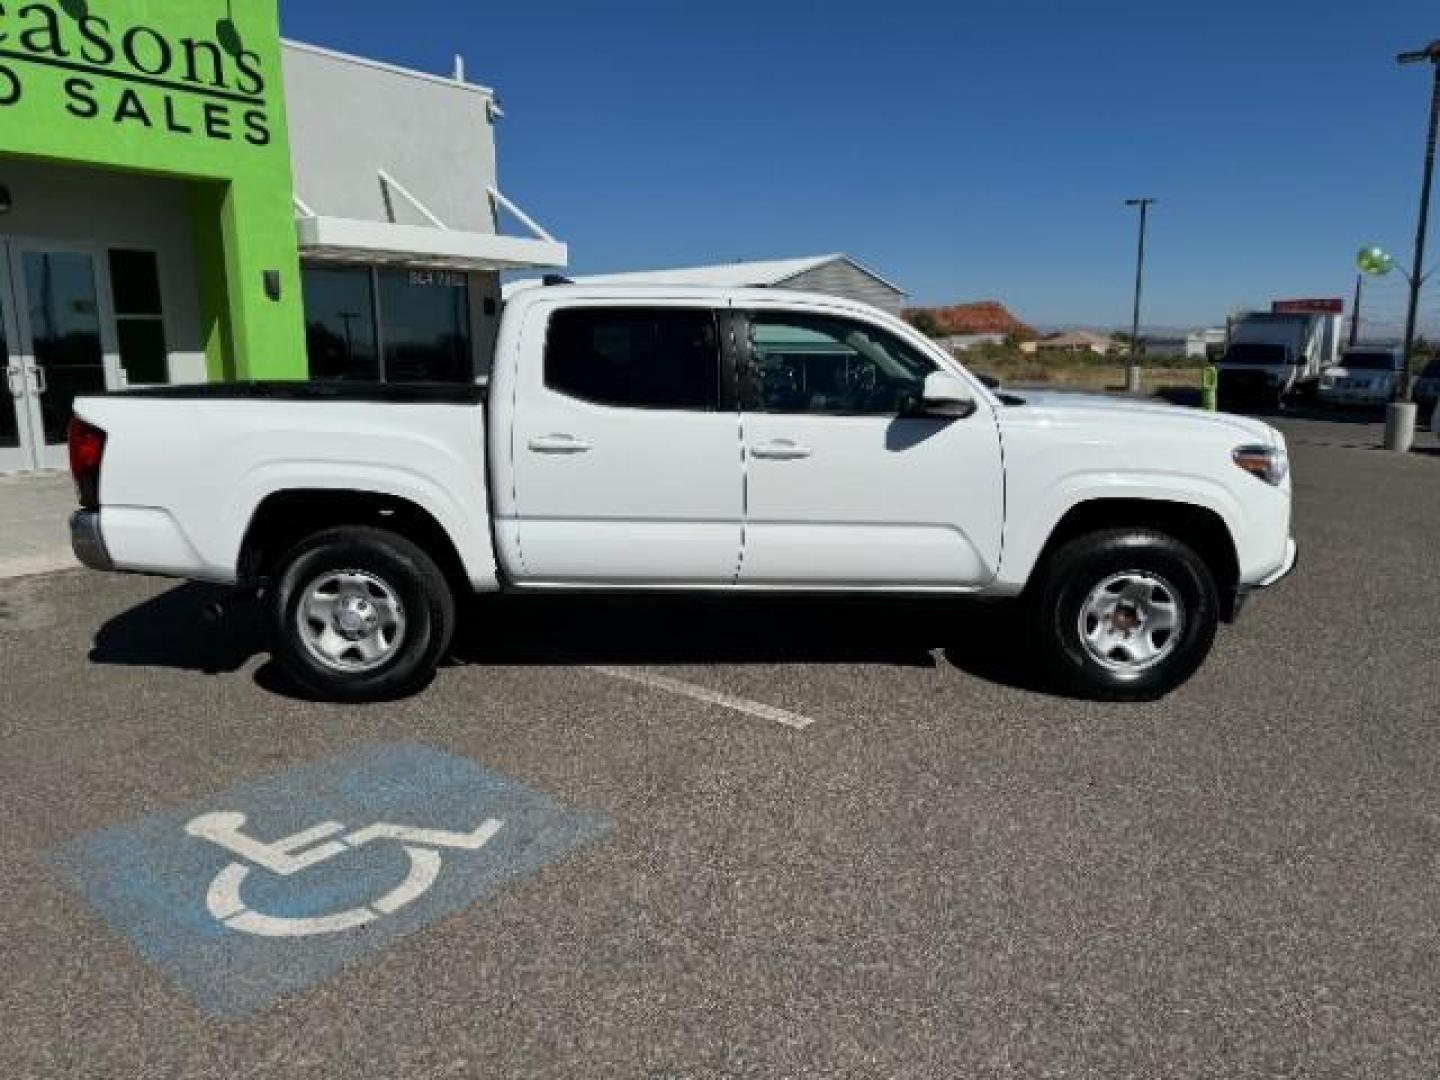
[{"x": 635, "y": 358}]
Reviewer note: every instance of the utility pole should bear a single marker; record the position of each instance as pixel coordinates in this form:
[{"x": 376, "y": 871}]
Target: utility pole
[
  {"x": 1400, "y": 416},
  {"x": 1132, "y": 377},
  {"x": 1355, "y": 315}
]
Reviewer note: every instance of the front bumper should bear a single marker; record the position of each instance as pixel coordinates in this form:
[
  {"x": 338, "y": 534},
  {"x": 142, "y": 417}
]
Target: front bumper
[
  {"x": 1341, "y": 396},
  {"x": 1244, "y": 592},
  {"x": 87, "y": 541}
]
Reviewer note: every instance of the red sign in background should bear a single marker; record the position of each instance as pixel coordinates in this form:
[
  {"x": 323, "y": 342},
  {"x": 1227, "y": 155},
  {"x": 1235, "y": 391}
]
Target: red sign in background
[{"x": 1327, "y": 306}]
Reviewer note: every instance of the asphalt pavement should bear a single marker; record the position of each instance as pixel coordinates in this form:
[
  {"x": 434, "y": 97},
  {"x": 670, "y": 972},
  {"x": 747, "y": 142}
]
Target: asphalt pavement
[{"x": 814, "y": 839}]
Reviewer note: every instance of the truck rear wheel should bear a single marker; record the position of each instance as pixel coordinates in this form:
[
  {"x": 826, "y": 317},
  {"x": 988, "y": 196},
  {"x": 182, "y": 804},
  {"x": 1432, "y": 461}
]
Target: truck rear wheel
[
  {"x": 359, "y": 614},
  {"x": 1126, "y": 614}
]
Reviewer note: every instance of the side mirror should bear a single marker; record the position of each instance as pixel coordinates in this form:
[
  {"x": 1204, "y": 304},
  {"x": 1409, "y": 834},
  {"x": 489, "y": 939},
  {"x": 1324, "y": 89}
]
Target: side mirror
[{"x": 944, "y": 398}]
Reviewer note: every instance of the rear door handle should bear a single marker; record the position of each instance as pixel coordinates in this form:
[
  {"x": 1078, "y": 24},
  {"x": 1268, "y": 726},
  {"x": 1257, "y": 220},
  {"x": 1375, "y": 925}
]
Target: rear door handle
[
  {"x": 15, "y": 380},
  {"x": 42, "y": 382},
  {"x": 781, "y": 450},
  {"x": 559, "y": 444}
]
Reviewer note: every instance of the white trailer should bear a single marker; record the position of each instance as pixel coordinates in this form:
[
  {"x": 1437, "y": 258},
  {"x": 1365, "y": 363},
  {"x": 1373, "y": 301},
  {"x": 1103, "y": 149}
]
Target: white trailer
[{"x": 1274, "y": 355}]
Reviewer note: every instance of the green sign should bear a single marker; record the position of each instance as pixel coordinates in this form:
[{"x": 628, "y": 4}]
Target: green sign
[
  {"x": 136, "y": 74},
  {"x": 183, "y": 88}
]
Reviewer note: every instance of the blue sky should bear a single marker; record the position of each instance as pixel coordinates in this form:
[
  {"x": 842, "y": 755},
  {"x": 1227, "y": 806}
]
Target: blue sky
[{"x": 964, "y": 150}]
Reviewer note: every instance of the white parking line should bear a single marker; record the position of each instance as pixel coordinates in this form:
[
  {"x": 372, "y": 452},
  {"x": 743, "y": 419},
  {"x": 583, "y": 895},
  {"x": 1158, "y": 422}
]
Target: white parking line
[{"x": 710, "y": 697}]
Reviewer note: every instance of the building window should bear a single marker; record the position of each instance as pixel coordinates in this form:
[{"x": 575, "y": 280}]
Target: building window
[
  {"x": 139, "y": 320},
  {"x": 636, "y": 358},
  {"x": 425, "y": 325},
  {"x": 370, "y": 324},
  {"x": 340, "y": 337}
]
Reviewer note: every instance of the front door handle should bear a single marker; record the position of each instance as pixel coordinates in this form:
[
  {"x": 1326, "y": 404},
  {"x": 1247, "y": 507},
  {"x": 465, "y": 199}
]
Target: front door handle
[
  {"x": 37, "y": 374},
  {"x": 15, "y": 381},
  {"x": 781, "y": 450},
  {"x": 559, "y": 444}
]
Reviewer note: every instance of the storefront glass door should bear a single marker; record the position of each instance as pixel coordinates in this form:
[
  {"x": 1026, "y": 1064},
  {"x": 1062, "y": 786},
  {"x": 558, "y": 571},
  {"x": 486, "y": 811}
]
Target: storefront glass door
[{"x": 55, "y": 347}]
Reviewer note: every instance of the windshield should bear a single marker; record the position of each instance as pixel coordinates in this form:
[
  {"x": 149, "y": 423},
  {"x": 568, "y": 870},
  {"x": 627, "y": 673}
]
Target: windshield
[
  {"x": 1369, "y": 361},
  {"x": 1256, "y": 353}
]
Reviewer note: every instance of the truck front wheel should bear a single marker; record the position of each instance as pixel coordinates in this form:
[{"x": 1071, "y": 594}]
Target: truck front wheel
[
  {"x": 359, "y": 614},
  {"x": 1126, "y": 614}
]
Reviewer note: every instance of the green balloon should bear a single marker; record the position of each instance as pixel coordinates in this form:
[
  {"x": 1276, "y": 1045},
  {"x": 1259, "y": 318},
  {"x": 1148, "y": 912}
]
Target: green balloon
[{"x": 1374, "y": 261}]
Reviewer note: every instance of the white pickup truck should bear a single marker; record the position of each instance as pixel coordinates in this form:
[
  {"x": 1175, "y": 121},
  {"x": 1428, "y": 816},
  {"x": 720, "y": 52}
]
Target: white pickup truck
[{"x": 669, "y": 438}]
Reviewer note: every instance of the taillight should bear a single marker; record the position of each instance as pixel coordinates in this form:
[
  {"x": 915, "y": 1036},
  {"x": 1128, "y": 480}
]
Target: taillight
[{"x": 87, "y": 448}]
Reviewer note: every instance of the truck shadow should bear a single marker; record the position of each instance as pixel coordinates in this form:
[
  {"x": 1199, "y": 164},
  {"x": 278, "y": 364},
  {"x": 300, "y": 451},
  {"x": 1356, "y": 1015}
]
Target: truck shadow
[
  {"x": 657, "y": 631},
  {"x": 172, "y": 631}
]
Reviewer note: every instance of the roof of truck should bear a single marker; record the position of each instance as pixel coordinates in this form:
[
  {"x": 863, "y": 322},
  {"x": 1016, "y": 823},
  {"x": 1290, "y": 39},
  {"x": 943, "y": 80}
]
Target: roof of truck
[{"x": 538, "y": 293}]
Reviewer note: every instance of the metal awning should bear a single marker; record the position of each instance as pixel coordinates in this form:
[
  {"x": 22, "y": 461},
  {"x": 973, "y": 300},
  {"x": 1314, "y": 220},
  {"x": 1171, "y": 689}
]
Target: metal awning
[{"x": 349, "y": 239}]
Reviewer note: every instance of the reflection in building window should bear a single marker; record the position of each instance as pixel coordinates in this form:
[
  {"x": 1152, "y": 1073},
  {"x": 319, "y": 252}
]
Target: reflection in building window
[
  {"x": 340, "y": 337},
  {"x": 139, "y": 320},
  {"x": 425, "y": 324},
  {"x": 403, "y": 325}
]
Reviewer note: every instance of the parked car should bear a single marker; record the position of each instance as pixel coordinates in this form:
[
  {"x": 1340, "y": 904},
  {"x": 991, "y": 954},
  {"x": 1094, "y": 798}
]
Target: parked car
[
  {"x": 1365, "y": 376},
  {"x": 695, "y": 439}
]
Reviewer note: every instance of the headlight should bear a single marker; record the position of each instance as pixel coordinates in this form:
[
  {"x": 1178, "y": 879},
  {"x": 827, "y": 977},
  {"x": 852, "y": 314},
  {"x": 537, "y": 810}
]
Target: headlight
[{"x": 1269, "y": 463}]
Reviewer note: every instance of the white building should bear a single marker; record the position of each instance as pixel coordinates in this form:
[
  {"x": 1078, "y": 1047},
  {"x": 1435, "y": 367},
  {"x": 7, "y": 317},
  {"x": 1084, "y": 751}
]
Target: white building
[
  {"x": 1204, "y": 343},
  {"x": 835, "y": 275}
]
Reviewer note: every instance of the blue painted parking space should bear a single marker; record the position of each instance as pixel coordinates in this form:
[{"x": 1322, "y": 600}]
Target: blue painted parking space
[{"x": 277, "y": 883}]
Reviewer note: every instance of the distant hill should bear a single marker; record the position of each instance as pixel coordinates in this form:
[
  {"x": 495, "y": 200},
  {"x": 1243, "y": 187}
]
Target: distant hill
[{"x": 980, "y": 317}]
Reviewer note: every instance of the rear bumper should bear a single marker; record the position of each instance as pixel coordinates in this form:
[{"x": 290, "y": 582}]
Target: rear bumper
[
  {"x": 87, "y": 542},
  {"x": 1287, "y": 567}
]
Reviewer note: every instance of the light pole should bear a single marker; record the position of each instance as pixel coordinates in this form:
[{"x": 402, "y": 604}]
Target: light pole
[
  {"x": 1355, "y": 316},
  {"x": 1132, "y": 376},
  {"x": 1371, "y": 261},
  {"x": 1400, "y": 416}
]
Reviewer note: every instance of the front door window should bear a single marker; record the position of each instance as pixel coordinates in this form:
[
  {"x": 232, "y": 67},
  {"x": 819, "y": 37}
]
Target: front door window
[{"x": 806, "y": 363}]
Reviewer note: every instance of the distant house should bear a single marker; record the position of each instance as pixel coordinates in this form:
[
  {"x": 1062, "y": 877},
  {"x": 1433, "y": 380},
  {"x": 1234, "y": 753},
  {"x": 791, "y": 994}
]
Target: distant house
[
  {"x": 832, "y": 275},
  {"x": 966, "y": 342},
  {"x": 1204, "y": 344},
  {"x": 983, "y": 321},
  {"x": 1072, "y": 341}
]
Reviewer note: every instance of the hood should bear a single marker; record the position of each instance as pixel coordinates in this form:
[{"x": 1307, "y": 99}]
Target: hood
[{"x": 1060, "y": 405}]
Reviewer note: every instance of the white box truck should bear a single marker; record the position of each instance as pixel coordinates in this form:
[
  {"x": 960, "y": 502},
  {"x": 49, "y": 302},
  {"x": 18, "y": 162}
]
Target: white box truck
[{"x": 1272, "y": 356}]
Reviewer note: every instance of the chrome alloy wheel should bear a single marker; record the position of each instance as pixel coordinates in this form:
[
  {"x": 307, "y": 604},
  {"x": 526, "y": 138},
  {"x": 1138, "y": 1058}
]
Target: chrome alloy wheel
[
  {"x": 350, "y": 621},
  {"x": 1131, "y": 621}
]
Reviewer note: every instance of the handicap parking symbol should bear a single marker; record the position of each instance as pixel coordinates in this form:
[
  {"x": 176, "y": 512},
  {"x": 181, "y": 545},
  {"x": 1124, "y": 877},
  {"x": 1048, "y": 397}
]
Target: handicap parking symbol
[{"x": 280, "y": 882}]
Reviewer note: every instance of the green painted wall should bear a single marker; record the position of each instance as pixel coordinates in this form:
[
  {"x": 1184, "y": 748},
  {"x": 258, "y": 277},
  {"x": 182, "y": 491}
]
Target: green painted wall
[{"x": 170, "y": 87}]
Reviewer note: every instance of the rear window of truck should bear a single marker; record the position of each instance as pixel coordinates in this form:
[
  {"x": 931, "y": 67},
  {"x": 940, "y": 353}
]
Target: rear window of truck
[{"x": 635, "y": 358}]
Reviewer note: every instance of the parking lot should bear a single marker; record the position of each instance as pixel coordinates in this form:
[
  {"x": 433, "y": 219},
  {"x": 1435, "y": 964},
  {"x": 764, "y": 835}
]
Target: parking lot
[{"x": 765, "y": 838}]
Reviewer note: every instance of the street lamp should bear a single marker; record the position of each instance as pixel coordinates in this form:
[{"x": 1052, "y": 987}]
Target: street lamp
[
  {"x": 1132, "y": 376},
  {"x": 1371, "y": 261},
  {"x": 1400, "y": 416}
]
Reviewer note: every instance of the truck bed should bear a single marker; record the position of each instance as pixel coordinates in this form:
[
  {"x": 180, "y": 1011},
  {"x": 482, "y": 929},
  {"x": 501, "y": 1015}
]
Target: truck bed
[{"x": 400, "y": 393}]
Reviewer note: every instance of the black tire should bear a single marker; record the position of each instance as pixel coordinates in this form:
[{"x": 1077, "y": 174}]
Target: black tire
[
  {"x": 420, "y": 593},
  {"x": 1075, "y": 573}
]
